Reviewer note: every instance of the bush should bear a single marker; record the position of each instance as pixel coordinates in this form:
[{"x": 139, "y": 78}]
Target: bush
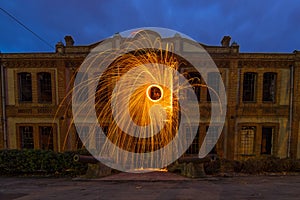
[
  {"x": 212, "y": 167},
  {"x": 253, "y": 166},
  {"x": 37, "y": 162},
  {"x": 269, "y": 164}
]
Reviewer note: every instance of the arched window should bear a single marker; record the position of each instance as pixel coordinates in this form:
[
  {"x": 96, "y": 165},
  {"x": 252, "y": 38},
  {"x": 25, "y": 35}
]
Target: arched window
[
  {"x": 44, "y": 87},
  {"x": 25, "y": 87}
]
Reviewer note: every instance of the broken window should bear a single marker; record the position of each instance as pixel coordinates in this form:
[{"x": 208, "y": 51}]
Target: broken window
[
  {"x": 44, "y": 87},
  {"x": 249, "y": 87},
  {"x": 46, "y": 137},
  {"x": 247, "y": 140},
  {"x": 269, "y": 87},
  {"x": 213, "y": 81},
  {"x": 26, "y": 135},
  {"x": 266, "y": 140},
  {"x": 25, "y": 87}
]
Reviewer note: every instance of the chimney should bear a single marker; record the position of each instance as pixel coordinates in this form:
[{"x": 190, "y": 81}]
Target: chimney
[
  {"x": 69, "y": 41},
  {"x": 226, "y": 41},
  {"x": 59, "y": 47}
]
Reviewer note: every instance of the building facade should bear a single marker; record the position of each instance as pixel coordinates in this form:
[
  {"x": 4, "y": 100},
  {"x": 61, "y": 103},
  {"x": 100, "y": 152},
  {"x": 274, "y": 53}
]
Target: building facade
[{"x": 263, "y": 99}]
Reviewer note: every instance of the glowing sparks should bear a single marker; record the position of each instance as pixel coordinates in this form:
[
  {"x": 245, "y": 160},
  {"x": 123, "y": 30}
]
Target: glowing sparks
[{"x": 133, "y": 104}]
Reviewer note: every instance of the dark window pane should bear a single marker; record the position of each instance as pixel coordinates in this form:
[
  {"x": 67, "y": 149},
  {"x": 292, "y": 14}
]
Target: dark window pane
[
  {"x": 195, "y": 146},
  {"x": 195, "y": 80},
  {"x": 26, "y": 134},
  {"x": 25, "y": 87},
  {"x": 84, "y": 136},
  {"x": 266, "y": 140},
  {"x": 44, "y": 87},
  {"x": 46, "y": 137},
  {"x": 214, "y": 135},
  {"x": 249, "y": 86},
  {"x": 269, "y": 87}
]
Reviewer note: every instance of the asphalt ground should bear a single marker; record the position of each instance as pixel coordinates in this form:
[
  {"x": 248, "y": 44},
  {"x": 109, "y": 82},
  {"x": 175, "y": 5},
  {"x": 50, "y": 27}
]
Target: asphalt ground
[{"x": 154, "y": 185}]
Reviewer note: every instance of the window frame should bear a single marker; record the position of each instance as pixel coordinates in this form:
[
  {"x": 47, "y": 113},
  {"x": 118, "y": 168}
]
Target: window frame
[
  {"x": 193, "y": 77},
  {"x": 270, "y": 151},
  {"x": 194, "y": 147},
  {"x": 248, "y": 149},
  {"x": 272, "y": 83},
  {"x": 22, "y": 86},
  {"x": 214, "y": 82},
  {"x": 252, "y": 85},
  {"x": 44, "y": 89},
  {"x": 50, "y": 145},
  {"x": 21, "y": 135}
]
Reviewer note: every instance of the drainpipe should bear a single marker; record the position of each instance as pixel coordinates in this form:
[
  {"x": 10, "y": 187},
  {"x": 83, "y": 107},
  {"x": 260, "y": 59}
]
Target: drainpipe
[
  {"x": 3, "y": 106},
  {"x": 236, "y": 153},
  {"x": 290, "y": 110}
]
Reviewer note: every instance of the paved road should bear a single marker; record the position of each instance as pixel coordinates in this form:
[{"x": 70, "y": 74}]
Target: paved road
[{"x": 155, "y": 185}]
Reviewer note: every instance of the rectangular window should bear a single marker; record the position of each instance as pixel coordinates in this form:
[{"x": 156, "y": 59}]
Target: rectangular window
[
  {"x": 44, "y": 87},
  {"x": 26, "y": 135},
  {"x": 266, "y": 140},
  {"x": 247, "y": 140},
  {"x": 195, "y": 146},
  {"x": 46, "y": 137},
  {"x": 212, "y": 138},
  {"x": 269, "y": 87},
  {"x": 249, "y": 87},
  {"x": 25, "y": 87},
  {"x": 195, "y": 80},
  {"x": 84, "y": 136},
  {"x": 213, "y": 82},
  {"x": 82, "y": 87}
]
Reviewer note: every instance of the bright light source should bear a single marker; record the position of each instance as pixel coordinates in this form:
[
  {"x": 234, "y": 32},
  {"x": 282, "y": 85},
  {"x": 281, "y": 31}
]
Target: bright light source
[{"x": 154, "y": 93}]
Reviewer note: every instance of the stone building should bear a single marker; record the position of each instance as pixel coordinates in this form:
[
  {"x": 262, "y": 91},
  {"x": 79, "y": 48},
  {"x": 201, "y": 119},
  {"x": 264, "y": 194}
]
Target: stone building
[{"x": 263, "y": 96}]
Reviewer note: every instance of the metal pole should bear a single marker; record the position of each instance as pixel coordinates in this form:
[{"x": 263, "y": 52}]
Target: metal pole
[{"x": 290, "y": 111}]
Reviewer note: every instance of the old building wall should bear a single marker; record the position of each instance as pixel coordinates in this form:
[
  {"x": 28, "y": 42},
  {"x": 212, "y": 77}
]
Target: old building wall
[{"x": 278, "y": 117}]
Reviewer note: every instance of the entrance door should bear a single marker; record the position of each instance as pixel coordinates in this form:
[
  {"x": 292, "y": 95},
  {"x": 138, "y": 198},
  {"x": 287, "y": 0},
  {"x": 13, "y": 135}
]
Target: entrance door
[{"x": 266, "y": 140}]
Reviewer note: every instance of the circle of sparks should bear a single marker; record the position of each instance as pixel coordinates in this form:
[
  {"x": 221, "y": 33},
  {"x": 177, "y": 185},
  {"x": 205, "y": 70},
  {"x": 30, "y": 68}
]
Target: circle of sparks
[{"x": 125, "y": 127}]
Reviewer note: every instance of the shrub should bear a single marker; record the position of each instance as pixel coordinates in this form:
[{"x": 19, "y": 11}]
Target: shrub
[
  {"x": 212, "y": 167},
  {"x": 256, "y": 165},
  {"x": 36, "y": 162}
]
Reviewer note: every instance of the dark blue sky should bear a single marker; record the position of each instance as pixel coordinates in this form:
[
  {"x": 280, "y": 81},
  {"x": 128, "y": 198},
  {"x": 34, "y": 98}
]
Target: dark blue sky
[{"x": 256, "y": 25}]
